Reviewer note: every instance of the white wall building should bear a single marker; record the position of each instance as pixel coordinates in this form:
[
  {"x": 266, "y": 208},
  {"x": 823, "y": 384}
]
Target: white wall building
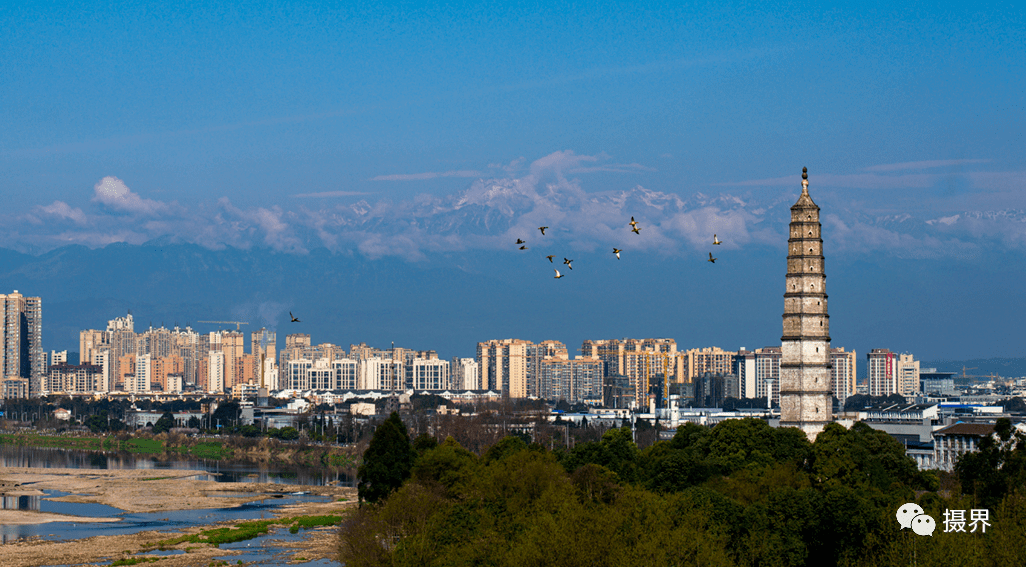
[
  {"x": 347, "y": 373},
  {"x": 215, "y": 372},
  {"x": 430, "y": 374},
  {"x": 465, "y": 374},
  {"x": 140, "y": 381},
  {"x": 380, "y": 374}
]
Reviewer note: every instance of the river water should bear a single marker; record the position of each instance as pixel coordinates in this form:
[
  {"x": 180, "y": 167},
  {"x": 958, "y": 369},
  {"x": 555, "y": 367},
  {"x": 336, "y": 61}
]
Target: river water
[
  {"x": 222, "y": 471},
  {"x": 262, "y": 551}
]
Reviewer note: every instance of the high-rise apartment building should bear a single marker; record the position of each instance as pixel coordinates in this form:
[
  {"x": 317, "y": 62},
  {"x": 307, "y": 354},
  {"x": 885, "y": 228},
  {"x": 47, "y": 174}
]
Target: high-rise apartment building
[
  {"x": 638, "y": 360},
  {"x": 805, "y": 394},
  {"x": 156, "y": 342},
  {"x": 23, "y": 360},
  {"x": 232, "y": 345},
  {"x": 264, "y": 343},
  {"x": 714, "y": 360},
  {"x": 536, "y": 388},
  {"x": 842, "y": 374},
  {"x": 215, "y": 371},
  {"x": 744, "y": 368},
  {"x": 381, "y": 374},
  {"x": 767, "y": 374},
  {"x": 577, "y": 380},
  {"x": 347, "y": 373},
  {"x": 139, "y": 382},
  {"x": 907, "y": 375},
  {"x": 90, "y": 341},
  {"x": 465, "y": 375},
  {"x": 57, "y": 357},
  {"x": 430, "y": 374},
  {"x": 63, "y": 378},
  {"x": 882, "y": 372},
  {"x": 503, "y": 366}
]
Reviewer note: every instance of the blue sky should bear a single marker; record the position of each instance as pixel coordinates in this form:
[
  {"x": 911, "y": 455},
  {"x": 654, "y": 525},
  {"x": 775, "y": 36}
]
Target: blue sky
[{"x": 368, "y": 129}]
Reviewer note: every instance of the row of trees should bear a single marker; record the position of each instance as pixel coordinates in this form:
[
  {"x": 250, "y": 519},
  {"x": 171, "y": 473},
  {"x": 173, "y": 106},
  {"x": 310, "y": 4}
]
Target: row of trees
[{"x": 740, "y": 493}]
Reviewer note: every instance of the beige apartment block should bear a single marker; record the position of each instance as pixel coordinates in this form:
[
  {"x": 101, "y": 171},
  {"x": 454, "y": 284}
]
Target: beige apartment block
[
  {"x": 63, "y": 378},
  {"x": 503, "y": 366},
  {"x": 263, "y": 343},
  {"x": 700, "y": 361},
  {"x": 125, "y": 367},
  {"x": 805, "y": 380},
  {"x": 535, "y": 355},
  {"x": 90, "y": 341},
  {"x": 163, "y": 366},
  {"x": 247, "y": 368},
  {"x": 574, "y": 380},
  {"x": 842, "y": 373},
  {"x": 640, "y": 360},
  {"x": 907, "y": 375},
  {"x": 297, "y": 340}
]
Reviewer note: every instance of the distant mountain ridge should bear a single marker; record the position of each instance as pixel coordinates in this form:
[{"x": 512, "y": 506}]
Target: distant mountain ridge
[
  {"x": 1003, "y": 367},
  {"x": 449, "y": 301}
]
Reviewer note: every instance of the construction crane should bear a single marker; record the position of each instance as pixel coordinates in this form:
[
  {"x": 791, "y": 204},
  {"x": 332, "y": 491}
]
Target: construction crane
[{"x": 236, "y": 323}]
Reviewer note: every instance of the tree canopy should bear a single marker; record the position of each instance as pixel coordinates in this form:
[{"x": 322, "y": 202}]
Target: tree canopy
[{"x": 387, "y": 462}]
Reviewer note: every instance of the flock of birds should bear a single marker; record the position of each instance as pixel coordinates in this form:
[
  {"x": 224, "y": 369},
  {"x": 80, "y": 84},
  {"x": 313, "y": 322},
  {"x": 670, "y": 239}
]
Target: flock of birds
[{"x": 569, "y": 263}]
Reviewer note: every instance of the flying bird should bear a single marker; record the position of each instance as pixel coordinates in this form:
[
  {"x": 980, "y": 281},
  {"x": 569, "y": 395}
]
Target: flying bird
[
  {"x": 542, "y": 229},
  {"x": 636, "y": 230},
  {"x": 558, "y": 275},
  {"x": 550, "y": 257},
  {"x": 632, "y": 223},
  {"x": 568, "y": 263},
  {"x": 294, "y": 320},
  {"x": 617, "y": 252},
  {"x": 711, "y": 259},
  {"x": 523, "y": 247},
  {"x": 521, "y": 241},
  {"x": 716, "y": 240}
]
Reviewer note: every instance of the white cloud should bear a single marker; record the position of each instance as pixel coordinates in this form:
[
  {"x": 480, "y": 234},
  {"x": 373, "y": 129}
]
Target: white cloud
[
  {"x": 924, "y": 164},
  {"x": 65, "y": 211},
  {"x": 560, "y": 161},
  {"x": 113, "y": 193},
  {"x": 493, "y": 212},
  {"x": 333, "y": 194},
  {"x": 428, "y": 175}
]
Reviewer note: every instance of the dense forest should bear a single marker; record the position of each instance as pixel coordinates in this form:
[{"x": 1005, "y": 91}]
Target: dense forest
[{"x": 737, "y": 494}]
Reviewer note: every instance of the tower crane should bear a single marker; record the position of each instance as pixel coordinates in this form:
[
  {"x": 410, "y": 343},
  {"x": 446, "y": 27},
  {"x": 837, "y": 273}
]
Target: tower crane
[{"x": 236, "y": 323}]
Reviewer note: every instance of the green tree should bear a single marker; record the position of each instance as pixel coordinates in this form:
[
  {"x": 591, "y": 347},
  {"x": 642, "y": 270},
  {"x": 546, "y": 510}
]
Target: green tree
[
  {"x": 387, "y": 462},
  {"x": 165, "y": 423}
]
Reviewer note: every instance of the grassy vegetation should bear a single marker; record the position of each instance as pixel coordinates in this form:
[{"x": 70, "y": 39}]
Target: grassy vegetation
[
  {"x": 210, "y": 451},
  {"x": 144, "y": 446},
  {"x": 134, "y": 561},
  {"x": 250, "y": 530},
  {"x": 157, "y": 478},
  {"x": 31, "y": 439}
]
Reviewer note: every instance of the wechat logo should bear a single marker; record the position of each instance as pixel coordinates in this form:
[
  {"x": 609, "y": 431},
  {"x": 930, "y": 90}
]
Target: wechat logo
[{"x": 912, "y": 516}]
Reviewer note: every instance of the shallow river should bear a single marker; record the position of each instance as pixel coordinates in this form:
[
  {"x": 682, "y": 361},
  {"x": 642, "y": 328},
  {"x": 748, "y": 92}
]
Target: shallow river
[
  {"x": 265, "y": 550},
  {"x": 46, "y": 458}
]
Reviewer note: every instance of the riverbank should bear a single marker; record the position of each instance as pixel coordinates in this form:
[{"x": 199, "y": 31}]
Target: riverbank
[
  {"x": 149, "y": 490},
  {"x": 165, "y": 490},
  {"x": 229, "y": 449}
]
